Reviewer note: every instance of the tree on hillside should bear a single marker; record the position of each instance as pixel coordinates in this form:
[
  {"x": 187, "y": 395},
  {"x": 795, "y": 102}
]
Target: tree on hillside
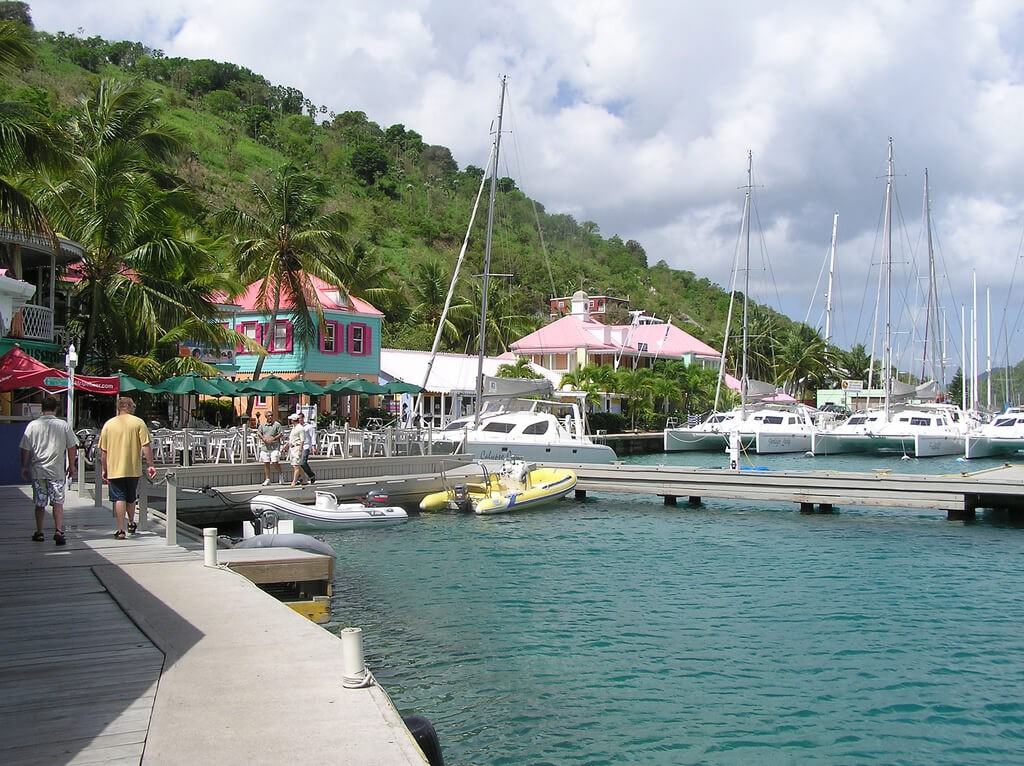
[
  {"x": 283, "y": 244},
  {"x": 29, "y": 142},
  {"x": 369, "y": 162},
  {"x": 130, "y": 215},
  {"x": 428, "y": 289}
]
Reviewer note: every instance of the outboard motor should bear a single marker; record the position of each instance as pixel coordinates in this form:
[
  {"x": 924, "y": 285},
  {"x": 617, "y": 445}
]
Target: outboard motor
[
  {"x": 377, "y": 497},
  {"x": 461, "y": 501},
  {"x": 265, "y": 521}
]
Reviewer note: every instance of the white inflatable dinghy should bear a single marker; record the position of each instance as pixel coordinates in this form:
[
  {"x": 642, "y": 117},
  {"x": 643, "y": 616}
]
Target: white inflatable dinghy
[{"x": 327, "y": 511}]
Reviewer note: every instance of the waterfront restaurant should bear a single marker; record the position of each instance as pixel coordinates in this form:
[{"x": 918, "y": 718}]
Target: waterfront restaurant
[{"x": 347, "y": 347}]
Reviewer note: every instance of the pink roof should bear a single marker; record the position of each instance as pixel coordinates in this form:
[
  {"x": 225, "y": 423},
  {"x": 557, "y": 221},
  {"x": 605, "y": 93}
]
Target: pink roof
[
  {"x": 566, "y": 334},
  {"x": 574, "y": 331},
  {"x": 331, "y": 298}
]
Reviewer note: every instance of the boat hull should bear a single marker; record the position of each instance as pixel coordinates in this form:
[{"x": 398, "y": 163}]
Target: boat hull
[
  {"x": 690, "y": 440},
  {"x": 779, "y": 443},
  {"x": 348, "y": 516},
  {"x": 991, "y": 446},
  {"x": 543, "y": 485},
  {"x": 542, "y": 453},
  {"x": 915, "y": 445}
]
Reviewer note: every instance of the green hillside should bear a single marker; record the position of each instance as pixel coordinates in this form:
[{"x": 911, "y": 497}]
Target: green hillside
[{"x": 410, "y": 201}]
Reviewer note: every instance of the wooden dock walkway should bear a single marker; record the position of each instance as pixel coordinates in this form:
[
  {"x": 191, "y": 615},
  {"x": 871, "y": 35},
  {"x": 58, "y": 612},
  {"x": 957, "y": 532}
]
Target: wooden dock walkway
[
  {"x": 128, "y": 652},
  {"x": 958, "y": 495}
]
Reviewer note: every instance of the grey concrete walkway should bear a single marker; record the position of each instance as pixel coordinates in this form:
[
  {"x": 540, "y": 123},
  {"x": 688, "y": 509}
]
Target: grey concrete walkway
[{"x": 132, "y": 651}]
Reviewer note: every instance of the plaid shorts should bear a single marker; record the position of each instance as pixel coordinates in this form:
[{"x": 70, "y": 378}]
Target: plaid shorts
[{"x": 46, "y": 492}]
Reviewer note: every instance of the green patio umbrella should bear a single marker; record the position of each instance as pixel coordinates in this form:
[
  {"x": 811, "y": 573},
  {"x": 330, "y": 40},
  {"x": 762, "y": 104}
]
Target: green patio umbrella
[
  {"x": 191, "y": 383},
  {"x": 269, "y": 386},
  {"x": 358, "y": 386},
  {"x": 129, "y": 384},
  {"x": 302, "y": 386},
  {"x": 401, "y": 387}
]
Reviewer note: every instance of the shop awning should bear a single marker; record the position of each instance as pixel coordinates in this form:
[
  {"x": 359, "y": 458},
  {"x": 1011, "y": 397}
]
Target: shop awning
[{"x": 19, "y": 370}]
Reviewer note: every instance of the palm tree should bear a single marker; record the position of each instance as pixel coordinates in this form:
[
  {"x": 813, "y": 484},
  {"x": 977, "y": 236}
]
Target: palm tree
[
  {"x": 506, "y": 321},
  {"x": 29, "y": 141},
  {"x": 803, "y": 361},
  {"x": 428, "y": 289},
  {"x": 286, "y": 241},
  {"x": 519, "y": 369}
]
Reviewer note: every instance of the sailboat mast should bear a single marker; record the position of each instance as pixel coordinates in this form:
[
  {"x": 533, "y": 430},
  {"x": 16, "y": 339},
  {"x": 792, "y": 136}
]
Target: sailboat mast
[
  {"x": 964, "y": 369},
  {"x": 887, "y": 260},
  {"x": 931, "y": 311},
  {"x": 974, "y": 343},
  {"x": 831, "y": 275},
  {"x": 746, "y": 281},
  {"x": 485, "y": 283},
  {"x": 988, "y": 348}
]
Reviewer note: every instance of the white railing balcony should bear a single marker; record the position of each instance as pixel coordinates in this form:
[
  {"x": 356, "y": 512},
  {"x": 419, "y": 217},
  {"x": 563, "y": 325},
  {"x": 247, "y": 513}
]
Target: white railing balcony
[{"x": 36, "y": 323}]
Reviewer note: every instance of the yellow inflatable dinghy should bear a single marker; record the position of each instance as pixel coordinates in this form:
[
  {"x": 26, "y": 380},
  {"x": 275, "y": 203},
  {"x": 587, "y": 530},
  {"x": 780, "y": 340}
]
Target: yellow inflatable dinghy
[{"x": 517, "y": 486}]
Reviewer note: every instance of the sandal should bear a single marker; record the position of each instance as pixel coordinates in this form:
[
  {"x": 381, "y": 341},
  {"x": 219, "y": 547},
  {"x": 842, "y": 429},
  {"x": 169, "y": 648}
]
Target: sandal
[
  {"x": 38, "y": 537},
  {"x": 119, "y": 535},
  {"x": 132, "y": 527},
  {"x": 59, "y": 539}
]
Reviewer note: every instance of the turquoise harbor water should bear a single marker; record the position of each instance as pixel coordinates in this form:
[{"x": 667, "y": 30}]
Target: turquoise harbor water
[{"x": 620, "y": 631}]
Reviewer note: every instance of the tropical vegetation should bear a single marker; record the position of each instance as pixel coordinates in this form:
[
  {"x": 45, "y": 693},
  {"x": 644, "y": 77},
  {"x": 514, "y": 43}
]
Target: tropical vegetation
[{"x": 188, "y": 180}]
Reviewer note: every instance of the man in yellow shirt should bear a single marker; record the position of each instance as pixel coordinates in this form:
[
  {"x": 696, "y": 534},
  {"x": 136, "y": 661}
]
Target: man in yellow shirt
[{"x": 123, "y": 441}]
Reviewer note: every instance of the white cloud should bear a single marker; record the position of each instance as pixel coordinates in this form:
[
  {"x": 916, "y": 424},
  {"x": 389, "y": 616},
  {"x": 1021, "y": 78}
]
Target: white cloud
[{"x": 639, "y": 115}]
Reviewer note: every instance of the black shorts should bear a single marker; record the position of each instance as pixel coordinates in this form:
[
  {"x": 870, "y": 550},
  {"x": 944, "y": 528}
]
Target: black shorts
[{"x": 125, "y": 488}]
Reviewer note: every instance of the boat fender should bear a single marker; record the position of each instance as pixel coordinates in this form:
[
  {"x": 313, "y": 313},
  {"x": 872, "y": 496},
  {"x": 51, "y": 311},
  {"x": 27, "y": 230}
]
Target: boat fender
[
  {"x": 297, "y": 541},
  {"x": 425, "y": 734}
]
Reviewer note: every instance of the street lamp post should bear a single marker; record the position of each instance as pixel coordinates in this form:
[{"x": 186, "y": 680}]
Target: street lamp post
[{"x": 71, "y": 360}]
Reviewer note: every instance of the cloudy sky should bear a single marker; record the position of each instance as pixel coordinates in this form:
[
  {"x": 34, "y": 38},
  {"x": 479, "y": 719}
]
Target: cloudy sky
[{"x": 639, "y": 114}]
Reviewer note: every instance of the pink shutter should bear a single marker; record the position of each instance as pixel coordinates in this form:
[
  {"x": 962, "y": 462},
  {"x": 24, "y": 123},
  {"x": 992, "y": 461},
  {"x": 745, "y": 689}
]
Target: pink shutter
[
  {"x": 239, "y": 348},
  {"x": 288, "y": 331},
  {"x": 367, "y": 340},
  {"x": 323, "y": 338}
]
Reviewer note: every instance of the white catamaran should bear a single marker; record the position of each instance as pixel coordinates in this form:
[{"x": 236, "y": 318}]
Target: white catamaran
[
  {"x": 922, "y": 430},
  {"x": 767, "y": 429}
]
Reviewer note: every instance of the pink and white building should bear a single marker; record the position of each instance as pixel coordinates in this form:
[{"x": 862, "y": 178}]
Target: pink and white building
[{"x": 578, "y": 340}]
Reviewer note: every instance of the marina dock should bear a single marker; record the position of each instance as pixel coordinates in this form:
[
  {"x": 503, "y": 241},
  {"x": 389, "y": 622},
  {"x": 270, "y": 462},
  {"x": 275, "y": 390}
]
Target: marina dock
[
  {"x": 957, "y": 495},
  {"x": 134, "y": 651}
]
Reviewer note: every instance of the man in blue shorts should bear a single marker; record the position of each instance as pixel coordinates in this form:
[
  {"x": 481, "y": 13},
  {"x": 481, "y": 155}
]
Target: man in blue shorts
[{"x": 123, "y": 441}]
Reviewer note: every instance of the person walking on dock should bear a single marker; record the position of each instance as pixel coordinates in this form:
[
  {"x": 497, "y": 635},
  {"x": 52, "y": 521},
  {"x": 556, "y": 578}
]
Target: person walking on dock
[
  {"x": 270, "y": 434},
  {"x": 49, "y": 449},
  {"x": 296, "y": 445},
  {"x": 123, "y": 441},
  {"x": 309, "y": 447}
]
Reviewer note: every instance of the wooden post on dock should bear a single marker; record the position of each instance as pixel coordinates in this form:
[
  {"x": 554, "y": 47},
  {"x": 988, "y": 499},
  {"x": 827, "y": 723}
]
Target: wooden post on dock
[
  {"x": 669, "y": 499},
  {"x": 806, "y": 507},
  {"x": 143, "y": 502},
  {"x": 581, "y": 494},
  {"x": 968, "y": 513},
  {"x": 186, "y": 452},
  {"x": 694, "y": 500},
  {"x": 245, "y": 443},
  {"x": 825, "y": 508},
  {"x": 171, "y": 509},
  {"x": 81, "y": 473},
  {"x": 98, "y": 496},
  {"x": 430, "y": 438},
  {"x": 389, "y": 441},
  {"x": 344, "y": 444}
]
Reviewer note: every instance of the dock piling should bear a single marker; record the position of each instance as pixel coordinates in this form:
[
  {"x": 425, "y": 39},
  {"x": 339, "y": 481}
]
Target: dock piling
[
  {"x": 98, "y": 495},
  {"x": 143, "y": 502},
  {"x": 580, "y": 494},
  {"x": 171, "y": 509},
  {"x": 806, "y": 507},
  {"x": 694, "y": 500},
  {"x": 353, "y": 673},
  {"x": 825, "y": 508},
  {"x": 669, "y": 500},
  {"x": 81, "y": 473},
  {"x": 210, "y": 546}
]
